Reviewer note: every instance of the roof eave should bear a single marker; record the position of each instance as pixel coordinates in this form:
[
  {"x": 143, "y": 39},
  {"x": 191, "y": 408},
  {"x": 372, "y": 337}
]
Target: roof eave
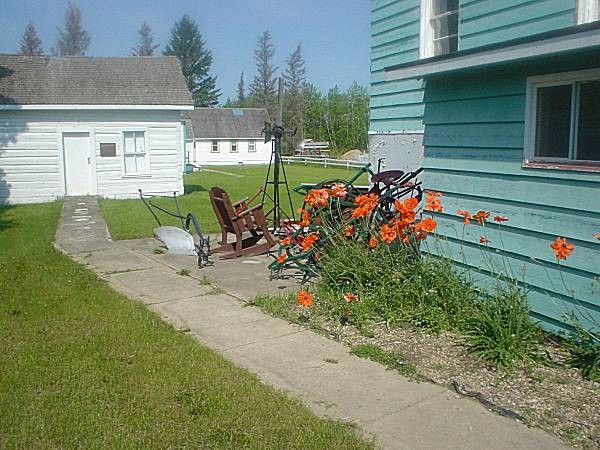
[{"x": 582, "y": 37}]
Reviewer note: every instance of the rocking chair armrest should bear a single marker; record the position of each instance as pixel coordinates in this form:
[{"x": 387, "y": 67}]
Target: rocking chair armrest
[
  {"x": 245, "y": 212},
  {"x": 244, "y": 200}
]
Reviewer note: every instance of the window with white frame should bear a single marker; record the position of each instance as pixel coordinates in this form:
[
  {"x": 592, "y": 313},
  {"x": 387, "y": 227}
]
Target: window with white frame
[
  {"x": 563, "y": 122},
  {"x": 588, "y": 11},
  {"x": 233, "y": 146},
  {"x": 214, "y": 147},
  {"x": 134, "y": 152},
  {"x": 251, "y": 146},
  {"x": 439, "y": 27}
]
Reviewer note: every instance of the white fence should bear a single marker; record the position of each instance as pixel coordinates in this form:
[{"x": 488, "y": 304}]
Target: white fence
[{"x": 322, "y": 161}]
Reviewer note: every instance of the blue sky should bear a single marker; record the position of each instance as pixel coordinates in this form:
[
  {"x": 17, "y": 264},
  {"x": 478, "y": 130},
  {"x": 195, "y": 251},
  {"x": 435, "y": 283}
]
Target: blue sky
[{"x": 334, "y": 33}]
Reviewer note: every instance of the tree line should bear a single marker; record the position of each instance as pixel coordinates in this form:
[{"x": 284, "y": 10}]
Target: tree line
[{"x": 340, "y": 117}]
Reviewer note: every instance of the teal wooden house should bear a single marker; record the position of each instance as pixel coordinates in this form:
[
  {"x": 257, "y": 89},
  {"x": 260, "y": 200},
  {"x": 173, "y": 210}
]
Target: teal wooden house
[{"x": 500, "y": 103}]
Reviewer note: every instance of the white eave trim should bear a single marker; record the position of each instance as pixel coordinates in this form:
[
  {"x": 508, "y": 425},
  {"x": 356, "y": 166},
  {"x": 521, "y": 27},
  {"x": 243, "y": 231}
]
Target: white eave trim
[
  {"x": 97, "y": 107},
  {"x": 561, "y": 44}
]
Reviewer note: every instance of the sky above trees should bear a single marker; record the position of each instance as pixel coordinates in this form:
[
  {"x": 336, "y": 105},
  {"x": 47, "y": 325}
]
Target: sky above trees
[{"x": 334, "y": 33}]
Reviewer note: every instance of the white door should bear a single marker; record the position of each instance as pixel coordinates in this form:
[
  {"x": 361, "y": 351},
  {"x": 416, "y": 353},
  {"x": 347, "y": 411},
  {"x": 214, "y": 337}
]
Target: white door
[{"x": 78, "y": 163}]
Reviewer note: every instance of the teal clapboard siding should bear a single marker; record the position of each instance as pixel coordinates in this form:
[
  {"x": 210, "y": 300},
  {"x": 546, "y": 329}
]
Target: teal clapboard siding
[
  {"x": 395, "y": 105},
  {"x": 474, "y": 138},
  {"x": 484, "y": 22}
]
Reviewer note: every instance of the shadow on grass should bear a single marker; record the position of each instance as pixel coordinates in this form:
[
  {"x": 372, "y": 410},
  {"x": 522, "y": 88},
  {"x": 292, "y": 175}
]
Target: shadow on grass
[
  {"x": 191, "y": 188},
  {"x": 5, "y": 223}
]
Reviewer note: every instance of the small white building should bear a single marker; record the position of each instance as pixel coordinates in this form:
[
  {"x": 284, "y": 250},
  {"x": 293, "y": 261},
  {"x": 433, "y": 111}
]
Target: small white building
[
  {"x": 225, "y": 136},
  {"x": 90, "y": 126}
]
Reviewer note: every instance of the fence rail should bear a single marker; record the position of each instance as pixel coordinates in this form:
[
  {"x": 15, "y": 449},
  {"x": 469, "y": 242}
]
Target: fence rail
[{"x": 322, "y": 161}]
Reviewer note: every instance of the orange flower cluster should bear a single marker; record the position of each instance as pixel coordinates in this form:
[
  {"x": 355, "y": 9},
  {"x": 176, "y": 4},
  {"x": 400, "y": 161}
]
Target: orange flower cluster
[
  {"x": 350, "y": 297},
  {"x": 338, "y": 191},
  {"x": 365, "y": 204},
  {"x": 281, "y": 258},
  {"x": 305, "y": 298},
  {"x": 425, "y": 226},
  {"x": 406, "y": 209},
  {"x": 466, "y": 215},
  {"x": 349, "y": 230},
  {"x": 304, "y": 217},
  {"x": 285, "y": 241},
  {"x": 562, "y": 249},
  {"x": 388, "y": 233},
  {"x": 500, "y": 219},
  {"x": 317, "y": 198},
  {"x": 308, "y": 242},
  {"x": 433, "y": 203},
  {"x": 481, "y": 216}
]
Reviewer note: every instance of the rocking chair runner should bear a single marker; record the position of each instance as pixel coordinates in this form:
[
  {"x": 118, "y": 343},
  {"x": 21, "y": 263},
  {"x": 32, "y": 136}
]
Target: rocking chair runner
[{"x": 238, "y": 218}]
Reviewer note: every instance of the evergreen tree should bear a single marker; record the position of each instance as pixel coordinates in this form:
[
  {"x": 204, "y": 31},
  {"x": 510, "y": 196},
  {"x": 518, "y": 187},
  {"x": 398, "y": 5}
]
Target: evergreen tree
[
  {"x": 30, "y": 43},
  {"x": 187, "y": 45},
  {"x": 146, "y": 45},
  {"x": 294, "y": 76},
  {"x": 241, "y": 94},
  {"x": 73, "y": 40},
  {"x": 263, "y": 90}
]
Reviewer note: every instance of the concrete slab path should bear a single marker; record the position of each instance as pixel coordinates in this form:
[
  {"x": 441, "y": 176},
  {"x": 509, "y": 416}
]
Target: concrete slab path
[{"x": 398, "y": 413}]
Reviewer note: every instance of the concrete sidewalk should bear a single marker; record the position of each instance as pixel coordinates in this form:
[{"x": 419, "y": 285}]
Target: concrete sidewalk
[{"x": 320, "y": 372}]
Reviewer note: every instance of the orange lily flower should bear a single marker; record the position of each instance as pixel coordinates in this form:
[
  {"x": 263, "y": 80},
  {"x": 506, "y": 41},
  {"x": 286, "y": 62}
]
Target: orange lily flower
[
  {"x": 281, "y": 258},
  {"x": 317, "y": 198},
  {"x": 466, "y": 215},
  {"x": 500, "y": 219},
  {"x": 305, "y": 217},
  {"x": 484, "y": 240},
  {"x": 388, "y": 233},
  {"x": 308, "y": 242},
  {"x": 285, "y": 241},
  {"x": 350, "y": 297},
  {"x": 597, "y": 235},
  {"x": 349, "y": 230},
  {"x": 338, "y": 191},
  {"x": 481, "y": 216},
  {"x": 562, "y": 249},
  {"x": 426, "y": 225},
  {"x": 305, "y": 299},
  {"x": 373, "y": 242},
  {"x": 433, "y": 203}
]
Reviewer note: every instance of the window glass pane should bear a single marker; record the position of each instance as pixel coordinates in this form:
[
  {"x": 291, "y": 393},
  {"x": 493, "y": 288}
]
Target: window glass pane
[
  {"x": 139, "y": 142},
  {"x": 140, "y": 163},
  {"x": 251, "y": 146},
  {"x": 552, "y": 134},
  {"x": 442, "y": 6},
  {"x": 215, "y": 147},
  {"x": 588, "y": 132},
  {"x": 129, "y": 142},
  {"x": 130, "y": 164}
]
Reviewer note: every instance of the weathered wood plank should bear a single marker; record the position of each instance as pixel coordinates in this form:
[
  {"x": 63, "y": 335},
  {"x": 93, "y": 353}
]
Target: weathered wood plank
[
  {"x": 509, "y": 108},
  {"x": 496, "y": 135}
]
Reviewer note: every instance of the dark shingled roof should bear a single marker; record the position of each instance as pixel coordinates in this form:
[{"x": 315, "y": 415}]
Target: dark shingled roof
[
  {"x": 43, "y": 80},
  {"x": 226, "y": 123}
]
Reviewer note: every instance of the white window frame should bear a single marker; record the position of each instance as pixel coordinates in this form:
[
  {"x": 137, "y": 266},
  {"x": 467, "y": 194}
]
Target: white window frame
[
  {"x": 588, "y": 11},
  {"x": 146, "y": 172},
  {"x": 252, "y": 146},
  {"x": 557, "y": 79},
  {"x": 427, "y": 35},
  {"x": 214, "y": 146},
  {"x": 233, "y": 146}
]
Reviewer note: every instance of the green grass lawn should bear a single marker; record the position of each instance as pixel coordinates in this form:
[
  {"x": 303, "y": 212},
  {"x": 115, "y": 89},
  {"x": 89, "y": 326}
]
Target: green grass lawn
[
  {"x": 129, "y": 219},
  {"x": 82, "y": 366}
]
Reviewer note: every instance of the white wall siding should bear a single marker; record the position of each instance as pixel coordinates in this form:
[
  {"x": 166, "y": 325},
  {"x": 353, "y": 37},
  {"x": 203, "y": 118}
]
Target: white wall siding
[
  {"x": 203, "y": 155},
  {"x": 31, "y": 166}
]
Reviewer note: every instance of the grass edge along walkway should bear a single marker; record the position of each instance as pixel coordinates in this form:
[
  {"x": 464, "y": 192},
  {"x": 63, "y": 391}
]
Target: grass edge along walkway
[{"x": 84, "y": 366}]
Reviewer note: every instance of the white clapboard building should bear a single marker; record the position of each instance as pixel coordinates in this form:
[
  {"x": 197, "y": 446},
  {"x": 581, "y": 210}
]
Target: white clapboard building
[
  {"x": 90, "y": 126},
  {"x": 225, "y": 136}
]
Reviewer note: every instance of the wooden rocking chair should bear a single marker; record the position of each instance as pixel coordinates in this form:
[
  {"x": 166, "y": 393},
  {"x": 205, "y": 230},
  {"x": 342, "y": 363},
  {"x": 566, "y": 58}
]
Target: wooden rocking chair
[{"x": 238, "y": 218}]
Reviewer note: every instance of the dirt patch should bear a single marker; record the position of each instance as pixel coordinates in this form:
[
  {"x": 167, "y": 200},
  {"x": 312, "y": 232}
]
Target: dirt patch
[{"x": 555, "y": 399}]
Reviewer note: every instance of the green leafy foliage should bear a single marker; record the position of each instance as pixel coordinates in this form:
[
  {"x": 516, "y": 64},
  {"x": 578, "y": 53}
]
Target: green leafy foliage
[
  {"x": 584, "y": 345},
  {"x": 502, "y": 332}
]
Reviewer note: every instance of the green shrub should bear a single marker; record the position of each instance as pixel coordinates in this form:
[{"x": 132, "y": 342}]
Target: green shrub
[
  {"x": 585, "y": 347},
  {"x": 392, "y": 286},
  {"x": 501, "y": 331}
]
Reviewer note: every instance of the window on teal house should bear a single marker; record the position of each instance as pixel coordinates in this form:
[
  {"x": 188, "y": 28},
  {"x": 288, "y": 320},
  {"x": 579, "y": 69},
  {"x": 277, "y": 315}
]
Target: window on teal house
[
  {"x": 563, "y": 120},
  {"x": 439, "y": 27},
  {"x": 588, "y": 11}
]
